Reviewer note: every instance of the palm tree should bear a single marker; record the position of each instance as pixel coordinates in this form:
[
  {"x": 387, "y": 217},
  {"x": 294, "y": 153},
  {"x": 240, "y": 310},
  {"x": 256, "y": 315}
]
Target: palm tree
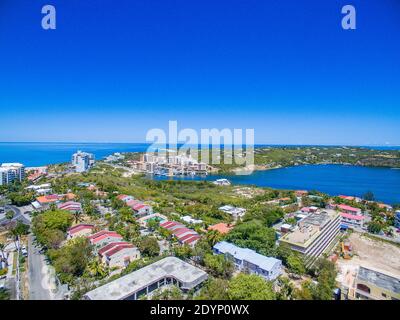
[
  {"x": 97, "y": 269},
  {"x": 213, "y": 237},
  {"x": 77, "y": 216}
]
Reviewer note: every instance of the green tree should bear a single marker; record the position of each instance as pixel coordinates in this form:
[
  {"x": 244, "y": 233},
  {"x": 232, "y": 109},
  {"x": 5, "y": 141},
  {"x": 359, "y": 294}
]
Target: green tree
[
  {"x": 10, "y": 214},
  {"x": 306, "y": 292},
  {"x": 95, "y": 268},
  {"x": 148, "y": 246},
  {"x": 250, "y": 287},
  {"x": 296, "y": 264},
  {"x": 183, "y": 251},
  {"x": 374, "y": 227},
  {"x": 4, "y": 294},
  {"x": 153, "y": 224},
  {"x": 173, "y": 293},
  {"x": 254, "y": 235},
  {"x": 71, "y": 260},
  {"x": 78, "y": 216},
  {"x": 218, "y": 265},
  {"x": 50, "y": 227},
  {"x": 286, "y": 289},
  {"x": 214, "y": 289},
  {"x": 213, "y": 237},
  {"x": 88, "y": 209}
]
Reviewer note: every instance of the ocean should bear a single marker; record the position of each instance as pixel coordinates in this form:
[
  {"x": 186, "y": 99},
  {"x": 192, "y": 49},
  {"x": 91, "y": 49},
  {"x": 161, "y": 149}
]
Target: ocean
[{"x": 332, "y": 179}]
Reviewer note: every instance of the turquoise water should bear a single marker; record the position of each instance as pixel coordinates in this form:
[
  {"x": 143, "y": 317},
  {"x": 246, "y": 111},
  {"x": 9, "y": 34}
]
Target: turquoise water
[{"x": 332, "y": 179}]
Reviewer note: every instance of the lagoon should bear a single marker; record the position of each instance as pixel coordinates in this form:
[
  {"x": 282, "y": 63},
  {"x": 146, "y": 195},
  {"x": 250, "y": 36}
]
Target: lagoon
[{"x": 331, "y": 179}]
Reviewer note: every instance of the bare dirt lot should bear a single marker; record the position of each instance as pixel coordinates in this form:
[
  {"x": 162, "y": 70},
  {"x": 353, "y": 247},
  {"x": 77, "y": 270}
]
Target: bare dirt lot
[{"x": 374, "y": 254}]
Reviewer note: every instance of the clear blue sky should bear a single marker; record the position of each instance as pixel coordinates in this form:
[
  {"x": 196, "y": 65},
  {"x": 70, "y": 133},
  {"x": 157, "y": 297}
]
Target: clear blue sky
[{"x": 114, "y": 69}]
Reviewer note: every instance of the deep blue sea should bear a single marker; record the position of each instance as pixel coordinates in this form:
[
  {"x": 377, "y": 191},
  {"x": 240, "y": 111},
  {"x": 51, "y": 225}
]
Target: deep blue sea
[{"x": 332, "y": 179}]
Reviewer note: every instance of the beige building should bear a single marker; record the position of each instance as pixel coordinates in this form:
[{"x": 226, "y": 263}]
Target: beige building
[
  {"x": 314, "y": 234},
  {"x": 361, "y": 283},
  {"x": 80, "y": 230},
  {"x": 119, "y": 254}
]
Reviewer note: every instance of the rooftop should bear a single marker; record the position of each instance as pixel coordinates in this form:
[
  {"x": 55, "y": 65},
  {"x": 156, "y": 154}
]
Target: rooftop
[
  {"x": 127, "y": 285},
  {"x": 379, "y": 279},
  {"x": 310, "y": 227},
  {"x": 221, "y": 227},
  {"x": 266, "y": 263}
]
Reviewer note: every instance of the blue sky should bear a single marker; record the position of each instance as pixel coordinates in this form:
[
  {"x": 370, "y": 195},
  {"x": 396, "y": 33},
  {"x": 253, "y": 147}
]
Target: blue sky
[{"x": 114, "y": 69}]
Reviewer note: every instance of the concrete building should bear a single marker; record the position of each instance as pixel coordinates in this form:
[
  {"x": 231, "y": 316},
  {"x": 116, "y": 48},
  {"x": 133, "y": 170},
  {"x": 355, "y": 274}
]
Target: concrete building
[
  {"x": 133, "y": 286},
  {"x": 10, "y": 172},
  {"x": 352, "y": 220},
  {"x": 82, "y": 161},
  {"x": 314, "y": 234},
  {"x": 362, "y": 283},
  {"x": 250, "y": 261},
  {"x": 189, "y": 219},
  {"x": 233, "y": 211}
]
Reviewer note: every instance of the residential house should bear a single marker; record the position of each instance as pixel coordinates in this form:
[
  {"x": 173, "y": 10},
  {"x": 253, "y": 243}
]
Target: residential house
[
  {"x": 233, "y": 211},
  {"x": 352, "y": 220},
  {"x": 248, "y": 260},
  {"x": 118, "y": 254},
  {"x": 80, "y": 230},
  {"x": 349, "y": 209},
  {"x": 104, "y": 237},
  {"x": 222, "y": 228},
  {"x": 181, "y": 232},
  {"x": 70, "y": 206}
]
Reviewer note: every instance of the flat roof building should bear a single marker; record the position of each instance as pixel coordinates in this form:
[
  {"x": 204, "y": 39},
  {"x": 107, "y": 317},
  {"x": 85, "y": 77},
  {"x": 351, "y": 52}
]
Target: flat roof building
[
  {"x": 313, "y": 234},
  {"x": 168, "y": 271},
  {"x": 362, "y": 283},
  {"x": 10, "y": 172}
]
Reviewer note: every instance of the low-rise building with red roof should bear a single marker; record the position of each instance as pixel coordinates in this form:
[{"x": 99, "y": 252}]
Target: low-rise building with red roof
[
  {"x": 70, "y": 206},
  {"x": 222, "y": 228},
  {"x": 181, "y": 232},
  {"x": 118, "y": 254},
  {"x": 104, "y": 237},
  {"x": 80, "y": 230}
]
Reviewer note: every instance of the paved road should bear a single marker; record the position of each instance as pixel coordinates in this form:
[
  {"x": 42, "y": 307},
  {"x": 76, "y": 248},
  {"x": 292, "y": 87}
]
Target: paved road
[
  {"x": 37, "y": 276},
  {"x": 18, "y": 215}
]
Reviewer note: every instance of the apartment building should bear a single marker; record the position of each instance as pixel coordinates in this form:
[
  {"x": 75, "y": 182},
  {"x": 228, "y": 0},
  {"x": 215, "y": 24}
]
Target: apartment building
[
  {"x": 118, "y": 254},
  {"x": 314, "y": 234},
  {"x": 10, "y": 172},
  {"x": 248, "y": 260},
  {"x": 137, "y": 284},
  {"x": 82, "y": 161},
  {"x": 362, "y": 283}
]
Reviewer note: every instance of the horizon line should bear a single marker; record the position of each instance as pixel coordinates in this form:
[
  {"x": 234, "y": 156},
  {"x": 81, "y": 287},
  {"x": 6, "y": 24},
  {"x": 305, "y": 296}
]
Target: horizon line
[{"x": 256, "y": 144}]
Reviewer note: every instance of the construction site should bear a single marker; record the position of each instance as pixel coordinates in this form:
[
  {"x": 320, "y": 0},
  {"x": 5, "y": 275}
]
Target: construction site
[{"x": 360, "y": 254}]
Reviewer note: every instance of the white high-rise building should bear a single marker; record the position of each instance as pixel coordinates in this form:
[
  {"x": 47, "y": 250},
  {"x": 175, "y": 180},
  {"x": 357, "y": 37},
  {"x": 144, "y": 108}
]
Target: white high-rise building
[
  {"x": 10, "y": 172},
  {"x": 82, "y": 161}
]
